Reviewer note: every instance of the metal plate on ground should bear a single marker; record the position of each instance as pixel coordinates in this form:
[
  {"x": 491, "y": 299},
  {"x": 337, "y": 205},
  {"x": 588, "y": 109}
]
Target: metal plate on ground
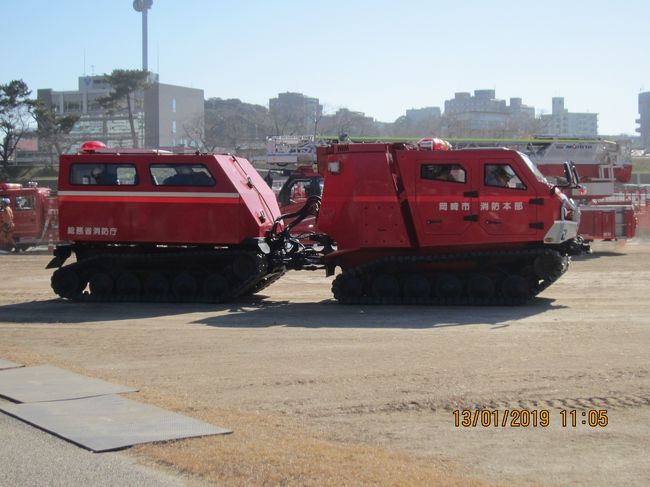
[
  {"x": 6, "y": 364},
  {"x": 47, "y": 383},
  {"x": 109, "y": 422}
]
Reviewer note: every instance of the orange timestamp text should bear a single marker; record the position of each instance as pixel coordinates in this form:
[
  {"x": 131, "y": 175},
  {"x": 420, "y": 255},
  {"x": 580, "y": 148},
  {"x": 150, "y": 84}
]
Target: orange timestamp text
[{"x": 528, "y": 418}]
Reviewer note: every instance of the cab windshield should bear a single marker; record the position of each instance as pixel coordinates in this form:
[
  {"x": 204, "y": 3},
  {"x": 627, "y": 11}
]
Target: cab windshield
[{"x": 533, "y": 168}]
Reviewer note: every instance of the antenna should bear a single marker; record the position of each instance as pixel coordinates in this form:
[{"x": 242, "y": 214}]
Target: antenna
[{"x": 143, "y": 6}]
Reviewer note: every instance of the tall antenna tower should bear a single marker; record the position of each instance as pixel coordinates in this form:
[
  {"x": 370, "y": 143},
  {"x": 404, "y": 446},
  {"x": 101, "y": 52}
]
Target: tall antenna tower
[{"x": 143, "y": 6}]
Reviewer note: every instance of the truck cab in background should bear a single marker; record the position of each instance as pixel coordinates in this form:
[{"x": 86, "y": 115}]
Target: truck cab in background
[{"x": 35, "y": 213}]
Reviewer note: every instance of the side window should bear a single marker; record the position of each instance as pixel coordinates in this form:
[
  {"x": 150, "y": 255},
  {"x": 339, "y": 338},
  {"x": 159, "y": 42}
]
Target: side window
[
  {"x": 24, "y": 203},
  {"x": 103, "y": 174},
  {"x": 181, "y": 175},
  {"x": 453, "y": 173},
  {"x": 126, "y": 175},
  {"x": 502, "y": 176}
]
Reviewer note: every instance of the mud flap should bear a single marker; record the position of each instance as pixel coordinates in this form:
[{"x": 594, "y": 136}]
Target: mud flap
[{"x": 61, "y": 254}]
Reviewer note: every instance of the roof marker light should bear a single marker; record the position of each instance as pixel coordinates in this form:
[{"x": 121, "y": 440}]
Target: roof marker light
[
  {"x": 431, "y": 143},
  {"x": 91, "y": 146}
]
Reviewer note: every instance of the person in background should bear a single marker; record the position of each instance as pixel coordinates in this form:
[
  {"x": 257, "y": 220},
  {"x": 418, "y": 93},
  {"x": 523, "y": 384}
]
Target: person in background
[
  {"x": 101, "y": 177},
  {"x": 7, "y": 225}
]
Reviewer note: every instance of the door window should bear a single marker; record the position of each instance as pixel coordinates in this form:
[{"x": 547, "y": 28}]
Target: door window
[
  {"x": 502, "y": 176},
  {"x": 24, "y": 203}
]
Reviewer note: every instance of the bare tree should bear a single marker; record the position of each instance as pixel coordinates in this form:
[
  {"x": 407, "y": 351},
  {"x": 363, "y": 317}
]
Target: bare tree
[
  {"x": 16, "y": 113},
  {"x": 294, "y": 114},
  {"x": 53, "y": 132},
  {"x": 195, "y": 132},
  {"x": 228, "y": 123},
  {"x": 347, "y": 122}
]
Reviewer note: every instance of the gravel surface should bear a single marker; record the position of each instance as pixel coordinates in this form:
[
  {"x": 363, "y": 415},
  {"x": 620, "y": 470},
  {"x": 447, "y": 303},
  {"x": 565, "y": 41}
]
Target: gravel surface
[{"x": 319, "y": 393}]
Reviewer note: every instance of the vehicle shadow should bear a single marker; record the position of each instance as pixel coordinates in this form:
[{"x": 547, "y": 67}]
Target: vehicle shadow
[
  {"x": 330, "y": 314},
  {"x": 61, "y": 311},
  {"x": 261, "y": 312},
  {"x": 597, "y": 255}
]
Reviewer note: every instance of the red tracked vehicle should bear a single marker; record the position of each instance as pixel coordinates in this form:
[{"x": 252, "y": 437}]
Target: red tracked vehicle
[
  {"x": 412, "y": 225},
  {"x": 432, "y": 225},
  {"x": 153, "y": 225}
]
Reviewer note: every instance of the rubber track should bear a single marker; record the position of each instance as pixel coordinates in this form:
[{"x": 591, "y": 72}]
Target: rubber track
[
  {"x": 138, "y": 261},
  {"x": 399, "y": 261},
  {"x": 265, "y": 282}
]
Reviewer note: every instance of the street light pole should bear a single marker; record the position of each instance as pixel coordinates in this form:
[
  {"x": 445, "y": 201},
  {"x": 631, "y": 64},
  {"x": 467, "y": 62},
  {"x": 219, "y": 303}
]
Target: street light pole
[{"x": 143, "y": 6}]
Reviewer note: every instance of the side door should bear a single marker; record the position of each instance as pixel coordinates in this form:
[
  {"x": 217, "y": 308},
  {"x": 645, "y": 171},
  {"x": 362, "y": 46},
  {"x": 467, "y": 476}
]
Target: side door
[
  {"x": 507, "y": 203},
  {"x": 445, "y": 200},
  {"x": 27, "y": 216}
]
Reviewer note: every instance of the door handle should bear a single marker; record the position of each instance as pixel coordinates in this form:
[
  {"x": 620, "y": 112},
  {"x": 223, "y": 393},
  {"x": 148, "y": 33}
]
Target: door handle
[
  {"x": 431, "y": 222},
  {"x": 493, "y": 222}
]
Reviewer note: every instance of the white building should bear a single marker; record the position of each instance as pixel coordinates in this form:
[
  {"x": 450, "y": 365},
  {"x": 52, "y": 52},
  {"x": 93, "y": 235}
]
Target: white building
[
  {"x": 484, "y": 115},
  {"x": 644, "y": 119},
  {"x": 562, "y": 123}
]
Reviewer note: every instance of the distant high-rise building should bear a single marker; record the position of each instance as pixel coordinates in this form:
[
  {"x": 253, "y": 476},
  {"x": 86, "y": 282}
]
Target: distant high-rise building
[
  {"x": 644, "y": 119},
  {"x": 160, "y": 113},
  {"x": 417, "y": 115},
  {"x": 484, "y": 115},
  {"x": 563, "y": 123}
]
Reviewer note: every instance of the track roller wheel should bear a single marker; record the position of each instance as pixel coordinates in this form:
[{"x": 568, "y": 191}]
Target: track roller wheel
[
  {"x": 550, "y": 266},
  {"x": 128, "y": 284},
  {"x": 480, "y": 286},
  {"x": 347, "y": 287},
  {"x": 515, "y": 287},
  {"x": 449, "y": 286},
  {"x": 67, "y": 283},
  {"x": 101, "y": 284},
  {"x": 215, "y": 286},
  {"x": 384, "y": 286},
  {"x": 156, "y": 285},
  {"x": 416, "y": 286},
  {"x": 184, "y": 286},
  {"x": 243, "y": 268}
]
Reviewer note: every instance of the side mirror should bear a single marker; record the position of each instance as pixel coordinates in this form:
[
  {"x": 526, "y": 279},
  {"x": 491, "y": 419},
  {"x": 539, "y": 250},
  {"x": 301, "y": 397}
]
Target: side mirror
[
  {"x": 570, "y": 180},
  {"x": 575, "y": 178}
]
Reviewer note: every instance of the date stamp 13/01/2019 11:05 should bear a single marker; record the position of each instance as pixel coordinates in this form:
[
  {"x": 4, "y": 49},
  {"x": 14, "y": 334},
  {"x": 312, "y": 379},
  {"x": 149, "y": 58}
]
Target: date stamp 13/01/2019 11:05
[{"x": 529, "y": 418}]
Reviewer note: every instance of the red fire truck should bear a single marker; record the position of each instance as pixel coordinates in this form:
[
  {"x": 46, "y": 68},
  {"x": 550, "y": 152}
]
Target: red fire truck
[{"x": 35, "y": 214}]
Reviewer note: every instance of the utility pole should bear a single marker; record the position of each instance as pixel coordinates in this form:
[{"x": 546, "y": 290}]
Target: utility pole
[{"x": 143, "y": 6}]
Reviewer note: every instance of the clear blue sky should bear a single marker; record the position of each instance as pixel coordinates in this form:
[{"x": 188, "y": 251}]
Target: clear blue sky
[{"x": 380, "y": 57}]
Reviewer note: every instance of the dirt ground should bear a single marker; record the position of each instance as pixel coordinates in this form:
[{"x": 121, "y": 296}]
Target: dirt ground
[{"x": 319, "y": 393}]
